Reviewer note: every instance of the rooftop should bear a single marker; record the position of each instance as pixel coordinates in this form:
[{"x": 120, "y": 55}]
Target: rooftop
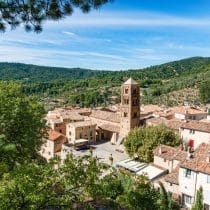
[
  {"x": 131, "y": 81},
  {"x": 64, "y": 114},
  {"x": 173, "y": 177},
  {"x": 107, "y": 116},
  {"x": 200, "y": 160},
  {"x": 82, "y": 124},
  {"x": 188, "y": 110},
  {"x": 197, "y": 125},
  {"x": 170, "y": 153},
  {"x": 54, "y": 135},
  {"x": 112, "y": 128}
]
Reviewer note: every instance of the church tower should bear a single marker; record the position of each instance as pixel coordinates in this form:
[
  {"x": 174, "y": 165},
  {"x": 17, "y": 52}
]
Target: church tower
[{"x": 130, "y": 106}]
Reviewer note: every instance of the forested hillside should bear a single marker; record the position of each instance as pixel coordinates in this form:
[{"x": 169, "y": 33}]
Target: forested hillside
[
  {"x": 161, "y": 84},
  {"x": 33, "y": 73}
]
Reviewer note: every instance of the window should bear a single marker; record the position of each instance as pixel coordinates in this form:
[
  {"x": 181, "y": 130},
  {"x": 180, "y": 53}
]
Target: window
[
  {"x": 192, "y": 131},
  {"x": 80, "y": 135},
  {"x": 69, "y": 133},
  {"x": 126, "y": 91},
  {"x": 134, "y": 91},
  {"x": 91, "y": 133},
  {"x": 164, "y": 160},
  {"x": 187, "y": 199},
  {"x": 126, "y": 101},
  {"x": 135, "y": 102},
  {"x": 135, "y": 114},
  {"x": 208, "y": 179},
  {"x": 206, "y": 206},
  {"x": 125, "y": 114},
  {"x": 187, "y": 173}
]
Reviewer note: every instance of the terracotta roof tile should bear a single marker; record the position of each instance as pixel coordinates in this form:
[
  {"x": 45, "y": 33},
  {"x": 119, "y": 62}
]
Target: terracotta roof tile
[
  {"x": 188, "y": 110},
  {"x": 107, "y": 116},
  {"x": 200, "y": 160},
  {"x": 170, "y": 153},
  {"x": 197, "y": 125},
  {"x": 82, "y": 124},
  {"x": 173, "y": 177},
  {"x": 112, "y": 128},
  {"x": 54, "y": 135}
]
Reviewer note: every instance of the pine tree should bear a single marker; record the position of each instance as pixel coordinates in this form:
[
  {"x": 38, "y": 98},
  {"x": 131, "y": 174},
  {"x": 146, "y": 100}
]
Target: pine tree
[{"x": 198, "y": 204}]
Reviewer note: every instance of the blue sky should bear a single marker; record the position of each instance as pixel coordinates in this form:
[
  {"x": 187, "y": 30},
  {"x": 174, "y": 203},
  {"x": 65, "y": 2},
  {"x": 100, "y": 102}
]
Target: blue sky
[{"x": 121, "y": 35}]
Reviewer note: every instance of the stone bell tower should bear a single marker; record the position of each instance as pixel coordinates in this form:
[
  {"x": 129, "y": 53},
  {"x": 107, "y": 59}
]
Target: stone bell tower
[{"x": 130, "y": 106}]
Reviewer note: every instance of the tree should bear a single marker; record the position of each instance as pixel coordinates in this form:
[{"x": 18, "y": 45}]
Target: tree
[
  {"x": 33, "y": 13},
  {"x": 46, "y": 186},
  {"x": 165, "y": 200},
  {"x": 204, "y": 91},
  {"x": 198, "y": 204},
  {"x": 140, "y": 142},
  {"x": 21, "y": 125},
  {"x": 139, "y": 195}
]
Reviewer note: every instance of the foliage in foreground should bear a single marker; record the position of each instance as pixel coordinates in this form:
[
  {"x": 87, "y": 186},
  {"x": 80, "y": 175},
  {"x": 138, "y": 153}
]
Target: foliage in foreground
[
  {"x": 33, "y": 13},
  {"x": 21, "y": 125},
  {"x": 78, "y": 183},
  {"x": 142, "y": 141},
  {"x": 26, "y": 182}
]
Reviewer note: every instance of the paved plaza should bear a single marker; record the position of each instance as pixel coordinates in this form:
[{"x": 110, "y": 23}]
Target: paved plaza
[{"x": 103, "y": 151}]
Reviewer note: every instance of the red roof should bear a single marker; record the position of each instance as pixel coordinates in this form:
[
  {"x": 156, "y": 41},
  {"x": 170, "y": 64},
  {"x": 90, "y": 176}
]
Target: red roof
[
  {"x": 54, "y": 135},
  {"x": 199, "y": 162}
]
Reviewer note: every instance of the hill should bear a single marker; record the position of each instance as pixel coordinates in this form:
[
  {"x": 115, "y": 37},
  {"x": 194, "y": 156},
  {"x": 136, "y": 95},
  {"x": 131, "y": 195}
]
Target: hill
[
  {"x": 86, "y": 87},
  {"x": 34, "y": 73}
]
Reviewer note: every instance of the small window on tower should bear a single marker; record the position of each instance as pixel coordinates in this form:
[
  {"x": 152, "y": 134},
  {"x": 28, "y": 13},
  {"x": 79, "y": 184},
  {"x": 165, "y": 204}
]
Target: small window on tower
[
  {"x": 125, "y": 114},
  {"x": 134, "y": 91},
  {"x": 135, "y": 114},
  {"x": 126, "y": 90},
  {"x": 135, "y": 102},
  {"x": 126, "y": 101}
]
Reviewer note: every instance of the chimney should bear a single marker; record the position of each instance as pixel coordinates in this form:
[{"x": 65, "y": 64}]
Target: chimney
[
  {"x": 189, "y": 154},
  {"x": 160, "y": 150}
]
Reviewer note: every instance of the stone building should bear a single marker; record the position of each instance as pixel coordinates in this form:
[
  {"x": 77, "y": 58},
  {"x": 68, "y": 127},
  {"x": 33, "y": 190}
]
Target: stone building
[
  {"x": 78, "y": 132},
  {"x": 97, "y": 124},
  {"x": 52, "y": 144},
  {"x": 130, "y": 106}
]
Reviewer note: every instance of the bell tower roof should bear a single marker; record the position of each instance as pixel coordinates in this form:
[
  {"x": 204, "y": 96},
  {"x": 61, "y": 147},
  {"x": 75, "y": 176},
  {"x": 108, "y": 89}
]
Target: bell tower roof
[{"x": 131, "y": 81}]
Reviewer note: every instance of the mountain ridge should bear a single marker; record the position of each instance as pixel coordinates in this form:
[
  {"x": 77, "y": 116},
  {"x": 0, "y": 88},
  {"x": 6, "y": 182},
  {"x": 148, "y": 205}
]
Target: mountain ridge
[{"x": 21, "y": 71}]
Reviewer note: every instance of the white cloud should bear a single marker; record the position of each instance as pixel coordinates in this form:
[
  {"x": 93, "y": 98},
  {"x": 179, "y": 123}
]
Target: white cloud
[
  {"x": 129, "y": 19},
  {"x": 69, "y": 33}
]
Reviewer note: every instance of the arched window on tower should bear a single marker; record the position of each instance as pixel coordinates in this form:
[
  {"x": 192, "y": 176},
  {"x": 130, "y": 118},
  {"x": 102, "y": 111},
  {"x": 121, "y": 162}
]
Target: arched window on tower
[
  {"x": 126, "y": 90},
  {"x": 134, "y": 91},
  {"x": 135, "y": 102},
  {"x": 126, "y": 101},
  {"x": 135, "y": 115},
  {"x": 125, "y": 114}
]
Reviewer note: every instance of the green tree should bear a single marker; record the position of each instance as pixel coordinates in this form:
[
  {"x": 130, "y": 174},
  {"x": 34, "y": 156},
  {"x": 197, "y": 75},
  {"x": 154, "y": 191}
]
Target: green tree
[
  {"x": 140, "y": 195},
  {"x": 204, "y": 91},
  {"x": 21, "y": 125},
  {"x": 33, "y": 13},
  {"x": 142, "y": 141},
  {"x": 165, "y": 201},
  {"x": 198, "y": 204},
  {"x": 43, "y": 186}
]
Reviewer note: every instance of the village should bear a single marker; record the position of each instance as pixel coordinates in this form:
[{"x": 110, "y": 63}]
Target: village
[{"x": 101, "y": 132}]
